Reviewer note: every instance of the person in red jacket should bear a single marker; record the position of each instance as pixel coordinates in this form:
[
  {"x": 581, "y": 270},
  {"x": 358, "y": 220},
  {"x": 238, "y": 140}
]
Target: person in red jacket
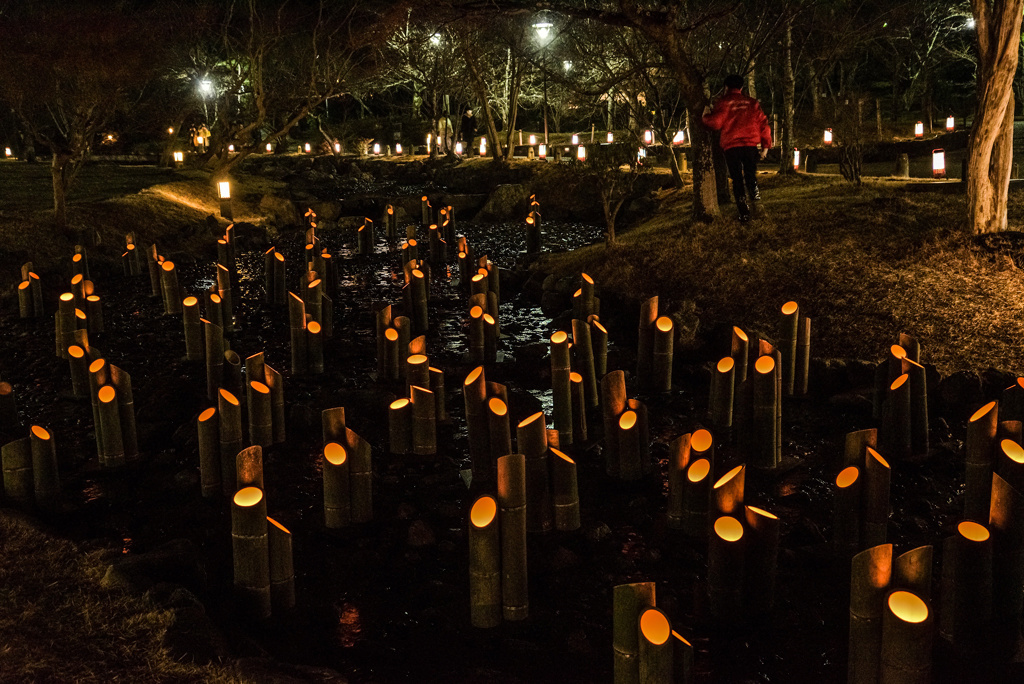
[{"x": 743, "y": 126}]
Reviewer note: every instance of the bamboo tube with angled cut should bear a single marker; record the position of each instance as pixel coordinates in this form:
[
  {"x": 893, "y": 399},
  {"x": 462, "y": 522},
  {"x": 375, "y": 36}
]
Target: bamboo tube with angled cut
[
  {"x": 474, "y": 393},
  {"x": 765, "y": 424},
  {"x": 1010, "y": 463},
  {"x": 233, "y": 373},
  {"x": 332, "y": 423},
  {"x": 112, "y": 453},
  {"x": 215, "y": 309},
  {"x": 485, "y": 597},
  {"x": 662, "y": 352},
  {"x": 803, "y": 357},
  {"x": 727, "y": 493},
  {"x": 297, "y": 328},
  {"x": 64, "y": 323},
  {"x": 599, "y": 341},
  {"x": 418, "y": 289},
  {"x": 856, "y": 446},
  {"x": 980, "y": 448},
  {"x": 645, "y": 343},
  {"x": 493, "y": 281},
  {"x": 721, "y": 399},
  {"x": 788, "y": 325},
  {"x": 337, "y": 488},
  {"x": 79, "y": 371},
  {"x": 894, "y": 361},
  {"x": 94, "y": 313},
  {"x": 312, "y": 300},
  {"x": 697, "y": 498},
  {"x": 193, "y": 329},
  {"x": 360, "y": 477},
  {"x": 739, "y": 352},
  {"x": 400, "y": 426},
  {"x": 912, "y": 571},
  {"x": 410, "y": 251},
  {"x": 417, "y": 371},
  {"x": 875, "y": 499},
  {"x": 532, "y": 442},
  {"x": 583, "y": 350},
  {"x": 78, "y": 290},
  {"x": 314, "y": 348},
  {"x": 45, "y": 474},
  {"x": 37, "y": 294},
  {"x": 390, "y": 223},
  {"x": 566, "y": 497},
  {"x": 214, "y": 336},
  {"x": 224, "y": 256},
  {"x": 911, "y": 346},
  {"x": 275, "y": 382},
  {"x": 99, "y": 375},
  {"x": 250, "y": 550},
  {"x": 81, "y": 322},
  {"x": 561, "y": 393},
  {"x": 579, "y": 408},
  {"x": 249, "y": 468},
  {"x": 208, "y": 426},
  {"x": 628, "y": 440},
  {"x": 383, "y": 319},
  {"x": 726, "y": 571},
  {"x": 656, "y": 646},
  {"x": 966, "y": 588},
  {"x": 122, "y": 382},
  {"x": 261, "y": 420},
  {"x": 613, "y": 405},
  {"x": 629, "y": 601},
  {"x": 391, "y": 356},
  {"x": 477, "y": 346},
  {"x": 678, "y": 463},
  {"x": 870, "y": 575},
  {"x": 437, "y": 387},
  {"x": 587, "y": 297},
  {"x": 404, "y": 327},
  {"x": 511, "y": 470},
  {"x": 153, "y": 261},
  {"x": 327, "y": 316},
  {"x": 170, "y": 288},
  {"x": 1011, "y": 402},
  {"x": 533, "y": 236},
  {"x": 1009, "y": 429},
  {"x": 492, "y": 312},
  {"x": 1006, "y": 522},
  {"x": 761, "y": 555},
  {"x": 25, "y": 307},
  {"x": 282, "y": 568},
  {"x": 280, "y": 293},
  {"x": 846, "y": 512},
  {"x": 230, "y": 412},
  {"x": 269, "y": 286},
  {"x": 224, "y": 292},
  {"x": 418, "y": 345},
  {"x": 498, "y": 429},
  {"x": 425, "y": 213},
  {"x": 424, "y": 421},
  {"x": 490, "y": 338},
  {"x": 16, "y": 458},
  {"x": 906, "y": 655},
  {"x": 8, "y": 410}
]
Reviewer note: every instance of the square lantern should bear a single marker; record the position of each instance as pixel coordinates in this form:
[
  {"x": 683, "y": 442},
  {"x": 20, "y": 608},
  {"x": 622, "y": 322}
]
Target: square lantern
[
  {"x": 533, "y": 140},
  {"x": 796, "y": 159},
  {"x": 828, "y": 136},
  {"x": 950, "y": 124},
  {"x": 376, "y": 149},
  {"x": 179, "y": 157},
  {"x": 648, "y": 137},
  {"x": 542, "y": 151},
  {"x": 611, "y": 137},
  {"x": 8, "y": 153},
  {"x": 270, "y": 147},
  {"x": 939, "y": 163},
  {"x": 581, "y": 153},
  {"x": 231, "y": 148},
  {"x": 337, "y": 147},
  {"x": 398, "y": 148},
  {"x": 919, "y": 129},
  {"x": 679, "y": 138},
  {"x": 224, "y": 189},
  {"x": 575, "y": 139},
  {"x": 308, "y": 148},
  {"x": 483, "y": 147},
  {"x": 458, "y": 148}
]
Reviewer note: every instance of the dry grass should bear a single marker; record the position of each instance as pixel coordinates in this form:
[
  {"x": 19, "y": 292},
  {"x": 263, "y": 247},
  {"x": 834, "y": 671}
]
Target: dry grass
[
  {"x": 58, "y": 624},
  {"x": 865, "y": 263}
]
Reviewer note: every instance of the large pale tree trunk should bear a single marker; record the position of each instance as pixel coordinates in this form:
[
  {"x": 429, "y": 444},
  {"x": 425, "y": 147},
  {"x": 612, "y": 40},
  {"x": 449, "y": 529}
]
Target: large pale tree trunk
[
  {"x": 62, "y": 172},
  {"x": 788, "y": 100},
  {"x": 705, "y": 187},
  {"x": 990, "y": 152}
]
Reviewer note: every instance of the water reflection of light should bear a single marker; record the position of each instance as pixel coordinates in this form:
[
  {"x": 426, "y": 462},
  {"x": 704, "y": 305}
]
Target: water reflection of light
[
  {"x": 126, "y": 545},
  {"x": 93, "y": 492},
  {"x": 349, "y": 626}
]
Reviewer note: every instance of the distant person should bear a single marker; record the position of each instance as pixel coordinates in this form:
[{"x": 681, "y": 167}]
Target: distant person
[
  {"x": 203, "y": 138},
  {"x": 468, "y": 130},
  {"x": 743, "y": 126}
]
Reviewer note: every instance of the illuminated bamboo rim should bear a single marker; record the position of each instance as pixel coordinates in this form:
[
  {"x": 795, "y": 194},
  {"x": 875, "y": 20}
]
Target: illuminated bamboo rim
[
  {"x": 526, "y": 421},
  {"x": 562, "y": 456},
  {"x": 222, "y": 241},
  {"x": 529, "y": 220},
  {"x": 729, "y": 528},
  {"x": 739, "y": 333},
  {"x": 417, "y": 359},
  {"x": 724, "y": 480},
  {"x": 313, "y": 285},
  {"x": 207, "y": 414},
  {"x": 215, "y": 298},
  {"x": 391, "y": 335},
  {"x": 628, "y": 420},
  {"x": 228, "y": 396},
  {"x": 980, "y": 413},
  {"x": 654, "y": 626},
  {"x": 478, "y": 277},
  {"x": 23, "y": 285},
  {"x": 587, "y": 279},
  {"x": 488, "y": 319},
  {"x": 97, "y": 365},
  {"x": 423, "y": 199},
  {"x": 167, "y": 265},
  {"x": 189, "y": 301},
  {"x": 878, "y": 457},
  {"x": 33, "y": 276},
  {"x": 40, "y": 433},
  {"x": 473, "y": 375},
  {"x": 701, "y": 440},
  {"x": 483, "y": 512},
  {"x": 476, "y": 312},
  {"x": 908, "y": 607},
  {"x": 76, "y": 258},
  {"x": 92, "y": 298},
  {"x": 462, "y": 255},
  {"x": 411, "y": 242},
  {"x": 679, "y": 636},
  {"x": 1012, "y": 450},
  {"x": 259, "y": 387},
  {"x": 559, "y": 337},
  {"x": 391, "y": 210},
  {"x": 417, "y": 273},
  {"x": 847, "y": 477},
  {"x": 597, "y": 324},
  {"x": 79, "y": 314},
  {"x": 67, "y": 297},
  {"x": 698, "y": 470},
  {"x": 764, "y": 365},
  {"x": 76, "y": 351},
  {"x": 248, "y": 496},
  {"x": 335, "y": 453},
  {"x": 279, "y": 256},
  {"x": 575, "y": 377},
  {"x": 77, "y": 279},
  {"x": 973, "y": 531},
  {"x": 130, "y": 247},
  {"x": 577, "y": 293},
  {"x": 107, "y": 394},
  {"x": 278, "y": 525},
  {"x": 789, "y": 308},
  {"x": 664, "y": 324},
  {"x": 313, "y": 327},
  {"x": 399, "y": 404},
  {"x": 483, "y": 271},
  {"x": 726, "y": 364},
  {"x": 898, "y": 351},
  {"x": 763, "y": 513},
  {"x": 497, "y": 406},
  {"x": 899, "y": 382}
]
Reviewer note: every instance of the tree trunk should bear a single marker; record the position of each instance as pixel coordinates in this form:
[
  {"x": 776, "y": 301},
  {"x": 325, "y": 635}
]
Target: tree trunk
[
  {"x": 677, "y": 176},
  {"x": 815, "y": 83},
  {"x": 878, "y": 116},
  {"x": 788, "y": 104},
  {"x": 60, "y": 175},
  {"x": 751, "y": 81},
  {"x": 479, "y": 89},
  {"x": 705, "y": 190},
  {"x": 990, "y": 152},
  {"x": 611, "y": 111},
  {"x": 513, "y": 112}
]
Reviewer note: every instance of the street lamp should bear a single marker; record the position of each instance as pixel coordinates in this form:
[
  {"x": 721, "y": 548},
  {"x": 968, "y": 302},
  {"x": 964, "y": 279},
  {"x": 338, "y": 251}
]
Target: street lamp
[
  {"x": 224, "y": 191},
  {"x": 206, "y": 87},
  {"x": 543, "y": 29}
]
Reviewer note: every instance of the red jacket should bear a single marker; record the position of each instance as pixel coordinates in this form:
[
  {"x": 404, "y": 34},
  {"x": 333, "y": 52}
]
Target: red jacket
[{"x": 741, "y": 121}]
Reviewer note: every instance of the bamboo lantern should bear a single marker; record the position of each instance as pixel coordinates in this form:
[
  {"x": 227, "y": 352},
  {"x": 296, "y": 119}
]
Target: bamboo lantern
[
  {"x": 875, "y": 499},
  {"x": 906, "y": 639},
  {"x": 215, "y": 309},
  {"x": 512, "y": 500},
  {"x": 918, "y": 406},
  {"x": 664, "y": 332},
  {"x": 280, "y": 296},
  {"x": 645, "y": 343},
  {"x": 26, "y": 308},
  {"x": 533, "y": 236},
  {"x": 383, "y": 318},
  {"x": 739, "y": 352},
  {"x": 94, "y": 313},
  {"x": 392, "y": 355},
  {"x": 1006, "y": 522},
  {"x": 613, "y": 405},
  {"x": 727, "y": 493},
  {"x": 250, "y": 550},
  {"x": 297, "y": 328},
  {"x": 64, "y": 323},
  {"x": 856, "y": 447},
  {"x": 122, "y": 382},
  {"x": 282, "y": 569},
  {"x": 418, "y": 290},
  {"x": 337, "y": 490},
  {"x": 315, "y": 347},
  {"x": 45, "y": 474},
  {"x": 99, "y": 375},
  {"x": 696, "y": 498},
  {"x": 582, "y": 347},
  {"x": 424, "y": 421},
  {"x": 485, "y": 595},
  {"x": 425, "y": 213},
  {"x": 214, "y": 336},
  {"x": 1011, "y": 463},
  {"x": 437, "y": 387},
  {"x": 631, "y": 465},
  {"x": 599, "y": 341},
  {"x": 417, "y": 371},
  {"x": 474, "y": 392},
  {"x": 360, "y": 477},
  {"x": 896, "y": 418},
  {"x": 579, "y": 408},
  {"x": 765, "y": 407},
  {"x": 588, "y": 297},
  {"x": 400, "y": 426},
  {"x": 980, "y": 447},
  {"x": 846, "y": 512},
  {"x": 678, "y": 463},
  {"x": 261, "y": 422},
  {"x": 78, "y": 290},
  {"x": 112, "y": 453},
  {"x": 655, "y": 652},
  {"x": 208, "y": 426},
  {"x": 312, "y": 299},
  {"x": 230, "y": 411},
  {"x": 726, "y": 570},
  {"x": 153, "y": 262},
  {"x": 628, "y": 602},
  {"x": 966, "y": 587},
  {"x": 803, "y": 357},
  {"x": 498, "y": 429},
  {"x": 169, "y": 287},
  {"x": 490, "y": 337},
  {"x": 871, "y": 573},
  {"x": 721, "y": 401},
  {"x": 193, "y": 329},
  {"x": 79, "y": 371},
  {"x": 788, "y": 325},
  {"x": 19, "y": 484},
  {"x": 233, "y": 373},
  {"x": 249, "y": 468},
  {"x": 566, "y": 492},
  {"x": 561, "y": 387},
  {"x": 761, "y": 554},
  {"x": 224, "y": 292},
  {"x": 532, "y": 441}
]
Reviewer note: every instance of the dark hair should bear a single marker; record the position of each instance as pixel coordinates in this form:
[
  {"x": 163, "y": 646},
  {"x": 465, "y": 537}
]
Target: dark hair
[{"x": 734, "y": 81}]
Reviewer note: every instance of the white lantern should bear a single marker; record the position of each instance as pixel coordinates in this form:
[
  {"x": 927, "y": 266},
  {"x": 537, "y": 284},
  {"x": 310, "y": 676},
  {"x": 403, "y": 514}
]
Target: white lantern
[
  {"x": 533, "y": 140},
  {"x": 542, "y": 151},
  {"x": 337, "y": 147},
  {"x": 796, "y": 160},
  {"x": 581, "y": 153},
  {"x": 429, "y": 138},
  {"x": 611, "y": 137},
  {"x": 679, "y": 138},
  {"x": 919, "y": 130},
  {"x": 828, "y": 136},
  {"x": 648, "y": 137},
  {"x": 950, "y": 124},
  {"x": 270, "y": 147},
  {"x": 199, "y": 139},
  {"x": 308, "y": 148},
  {"x": 458, "y": 148},
  {"x": 641, "y": 154},
  {"x": 170, "y": 130},
  {"x": 376, "y": 148},
  {"x": 483, "y": 147},
  {"x": 231, "y": 148},
  {"x": 7, "y": 152},
  {"x": 224, "y": 188},
  {"x": 179, "y": 157},
  {"x": 398, "y": 148},
  {"x": 575, "y": 139},
  {"x": 939, "y": 163}
]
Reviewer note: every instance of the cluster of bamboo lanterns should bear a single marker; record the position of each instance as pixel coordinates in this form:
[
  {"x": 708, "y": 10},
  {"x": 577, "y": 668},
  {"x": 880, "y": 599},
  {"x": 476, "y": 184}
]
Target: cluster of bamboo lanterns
[
  {"x": 900, "y": 400},
  {"x": 691, "y": 469},
  {"x": 861, "y": 495},
  {"x": 31, "y": 478},
  {"x": 645, "y": 648},
  {"x": 30, "y": 293},
  {"x": 113, "y": 410},
  {"x": 131, "y": 258},
  {"x": 484, "y": 285},
  {"x": 533, "y": 228},
  {"x": 654, "y": 348},
  {"x": 393, "y": 336},
  {"x": 413, "y": 419},
  {"x": 347, "y": 472},
  {"x": 488, "y": 426},
  {"x": 311, "y": 315},
  {"x": 79, "y": 311},
  {"x": 626, "y": 432}
]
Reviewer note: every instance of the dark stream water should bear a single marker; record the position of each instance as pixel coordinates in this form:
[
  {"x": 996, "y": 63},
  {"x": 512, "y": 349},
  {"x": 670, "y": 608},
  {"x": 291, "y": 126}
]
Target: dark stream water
[{"x": 388, "y": 601}]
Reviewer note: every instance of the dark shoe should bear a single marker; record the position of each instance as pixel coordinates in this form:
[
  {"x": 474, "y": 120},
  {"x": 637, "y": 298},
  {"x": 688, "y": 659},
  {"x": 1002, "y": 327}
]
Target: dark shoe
[{"x": 757, "y": 209}]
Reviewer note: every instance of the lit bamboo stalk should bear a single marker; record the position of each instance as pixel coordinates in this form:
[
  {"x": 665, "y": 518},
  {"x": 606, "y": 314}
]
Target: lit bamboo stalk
[
  {"x": 613, "y": 405},
  {"x": 332, "y": 423},
  {"x": 485, "y": 602},
  {"x": 315, "y": 347},
  {"x": 225, "y": 256},
  {"x": 297, "y": 327},
  {"x": 1010, "y": 463},
  {"x": 153, "y": 261},
  {"x": 1006, "y": 522},
  {"x": 678, "y": 463},
  {"x": 64, "y": 323},
  {"x": 261, "y": 422},
  {"x": 912, "y": 570},
  {"x": 418, "y": 289},
  {"x": 25, "y": 306},
  {"x": 478, "y": 284},
  {"x": 269, "y": 285},
  {"x": 99, "y": 375},
  {"x": 894, "y": 362},
  {"x": 583, "y": 349},
  {"x": 78, "y": 290},
  {"x": 722, "y": 384},
  {"x": 425, "y": 211},
  {"x": 122, "y": 382},
  {"x": 275, "y": 382},
  {"x": 215, "y": 309},
  {"x": 474, "y": 393},
  {"x": 1009, "y": 429},
  {"x": 599, "y": 342},
  {"x": 587, "y": 296},
  {"x": 906, "y": 640},
  {"x": 424, "y": 422},
  {"x": 232, "y": 373},
  {"x": 875, "y": 499},
  {"x": 337, "y": 489},
  {"x": 561, "y": 393},
  {"x": 655, "y": 652},
  {"x": 532, "y": 442},
  {"x": 214, "y": 336},
  {"x": 8, "y": 410},
  {"x": 400, "y": 426},
  {"x": 566, "y": 492},
  {"x": 193, "y": 329},
  {"x": 390, "y": 223},
  {"x": 208, "y": 427},
  {"x": 966, "y": 587},
  {"x": 628, "y": 441},
  {"x": 870, "y": 575},
  {"x": 511, "y": 471},
  {"x": 911, "y": 346},
  {"x": 249, "y": 468},
  {"x": 803, "y": 357},
  {"x": 788, "y": 324},
  {"x": 45, "y": 474},
  {"x": 628, "y": 602},
  {"x": 661, "y": 362},
  {"x": 224, "y": 292},
  {"x": 410, "y": 251},
  {"x": 16, "y": 457},
  {"x": 980, "y": 447},
  {"x": 579, "y": 409},
  {"x": 417, "y": 371},
  {"x": 79, "y": 371},
  {"x": 250, "y": 550},
  {"x": 490, "y": 338},
  {"x": 476, "y": 335},
  {"x": 169, "y": 287},
  {"x": 437, "y": 387},
  {"x": 727, "y": 493},
  {"x": 765, "y": 406},
  {"x": 739, "y": 352},
  {"x": 761, "y": 554},
  {"x": 112, "y": 454},
  {"x": 896, "y": 418},
  {"x": 36, "y": 287},
  {"x": 494, "y": 282},
  {"x": 645, "y": 341},
  {"x": 726, "y": 570},
  {"x": 846, "y": 511},
  {"x": 312, "y": 300},
  {"x": 533, "y": 237},
  {"x": 360, "y": 477},
  {"x": 230, "y": 412},
  {"x": 282, "y": 569},
  {"x": 498, "y": 429},
  {"x": 856, "y": 447},
  {"x": 94, "y": 313},
  {"x": 1011, "y": 403}
]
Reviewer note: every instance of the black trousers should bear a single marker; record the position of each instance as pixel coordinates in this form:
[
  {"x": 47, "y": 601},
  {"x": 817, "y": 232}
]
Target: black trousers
[{"x": 742, "y": 163}]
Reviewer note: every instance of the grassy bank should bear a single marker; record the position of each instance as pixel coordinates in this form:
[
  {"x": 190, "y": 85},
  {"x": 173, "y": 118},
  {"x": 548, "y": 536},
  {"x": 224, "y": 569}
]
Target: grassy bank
[{"x": 866, "y": 263}]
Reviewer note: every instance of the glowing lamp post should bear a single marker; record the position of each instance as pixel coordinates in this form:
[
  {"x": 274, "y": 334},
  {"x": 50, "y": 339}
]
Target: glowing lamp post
[
  {"x": 8, "y": 153},
  {"x": 611, "y": 137},
  {"x": 376, "y": 149},
  {"x": 828, "y": 136},
  {"x": 796, "y": 159},
  {"x": 170, "y": 130},
  {"x": 950, "y": 124},
  {"x": 224, "y": 191},
  {"x": 939, "y": 163},
  {"x": 270, "y": 148},
  {"x": 483, "y": 147},
  {"x": 581, "y": 153},
  {"x": 231, "y": 148},
  {"x": 308, "y": 148},
  {"x": 648, "y": 137},
  {"x": 533, "y": 140},
  {"x": 337, "y": 148},
  {"x": 679, "y": 138},
  {"x": 398, "y": 148},
  {"x": 179, "y": 158},
  {"x": 919, "y": 129},
  {"x": 542, "y": 152},
  {"x": 575, "y": 139}
]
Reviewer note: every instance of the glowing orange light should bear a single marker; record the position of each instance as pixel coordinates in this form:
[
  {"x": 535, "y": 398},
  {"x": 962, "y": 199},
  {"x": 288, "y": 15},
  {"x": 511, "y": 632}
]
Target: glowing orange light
[
  {"x": 106, "y": 394},
  {"x": 559, "y": 337},
  {"x": 497, "y": 406},
  {"x": 698, "y": 470},
  {"x": 483, "y": 511},
  {"x": 248, "y": 496},
  {"x": 40, "y": 433},
  {"x": 701, "y": 440},
  {"x": 764, "y": 365},
  {"x": 729, "y": 528},
  {"x": 847, "y": 477},
  {"x": 980, "y": 413},
  {"x": 908, "y": 607},
  {"x": 973, "y": 531},
  {"x": 722, "y": 481},
  {"x": 726, "y": 364},
  {"x": 654, "y": 625},
  {"x": 627, "y": 420},
  {"x": 335, "y": 453}
]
